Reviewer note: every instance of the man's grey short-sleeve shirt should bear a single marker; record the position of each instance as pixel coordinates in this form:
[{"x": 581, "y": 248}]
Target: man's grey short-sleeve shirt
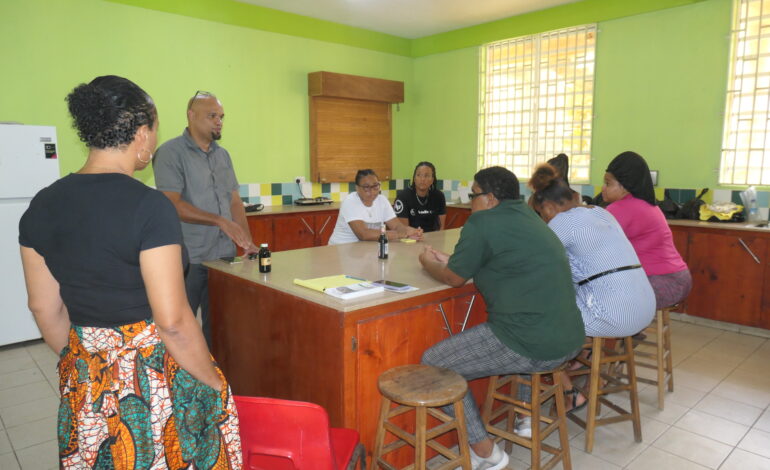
[{"x": 204, "y": 179}]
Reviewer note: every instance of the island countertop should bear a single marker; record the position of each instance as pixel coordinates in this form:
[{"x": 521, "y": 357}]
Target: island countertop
[
  {"x": 357, "y": 260},
  {"x": 295, "y": 209}
]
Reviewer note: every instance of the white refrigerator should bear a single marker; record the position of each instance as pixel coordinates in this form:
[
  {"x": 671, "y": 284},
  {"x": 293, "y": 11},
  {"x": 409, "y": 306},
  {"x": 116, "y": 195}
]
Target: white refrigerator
[{"x": 28, "y": 163}]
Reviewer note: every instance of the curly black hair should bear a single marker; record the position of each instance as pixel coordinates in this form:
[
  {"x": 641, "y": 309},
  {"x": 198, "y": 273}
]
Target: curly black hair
[
  {"x": 498, "y": 181},
  {"x": 108, "y": 111}
]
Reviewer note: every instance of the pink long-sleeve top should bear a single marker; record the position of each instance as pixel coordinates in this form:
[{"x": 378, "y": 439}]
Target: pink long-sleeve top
[{"x": 649, "y": 234}]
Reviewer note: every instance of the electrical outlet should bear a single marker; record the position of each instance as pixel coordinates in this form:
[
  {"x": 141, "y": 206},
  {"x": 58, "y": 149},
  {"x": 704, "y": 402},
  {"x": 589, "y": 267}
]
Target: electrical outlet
[{"x": 299, "y": 180}]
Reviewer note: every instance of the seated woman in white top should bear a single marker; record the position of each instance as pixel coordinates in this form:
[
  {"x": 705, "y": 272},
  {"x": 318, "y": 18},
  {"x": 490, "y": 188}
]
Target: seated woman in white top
[{"x": 363, "y": 213}]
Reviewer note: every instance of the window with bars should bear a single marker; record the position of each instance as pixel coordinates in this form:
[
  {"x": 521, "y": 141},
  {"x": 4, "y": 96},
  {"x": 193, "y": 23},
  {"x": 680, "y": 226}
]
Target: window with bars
[
  {"x": 745, "y": 159},
  {"x": 537, "y": 101}
]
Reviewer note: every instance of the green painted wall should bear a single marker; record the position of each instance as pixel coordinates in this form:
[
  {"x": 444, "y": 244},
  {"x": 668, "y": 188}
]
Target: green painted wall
[
  {"x": 660, "y": 84},
  {"x": 48, "y": 47},
  {"x": 660, "y": 90},
  {"x": 660, "y": 78}
]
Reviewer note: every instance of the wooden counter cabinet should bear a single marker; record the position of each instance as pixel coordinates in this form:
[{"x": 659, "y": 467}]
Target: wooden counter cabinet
[
  {"x": 292, "y": 231},
  {"x": 456, "y": 216}
]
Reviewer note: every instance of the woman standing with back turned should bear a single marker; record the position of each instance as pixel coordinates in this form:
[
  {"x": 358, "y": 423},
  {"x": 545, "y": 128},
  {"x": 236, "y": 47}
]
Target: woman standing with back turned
[{"x": 103, "y": 263}]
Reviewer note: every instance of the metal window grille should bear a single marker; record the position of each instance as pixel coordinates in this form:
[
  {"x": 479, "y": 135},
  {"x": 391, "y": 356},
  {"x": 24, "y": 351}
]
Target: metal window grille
[
  {"x": 745, "y": 138},
  {"x": 537, "y": 101}
]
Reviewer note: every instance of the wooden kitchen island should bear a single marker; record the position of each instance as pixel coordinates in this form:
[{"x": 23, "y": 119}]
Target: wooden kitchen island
[{"x": 276, "y": 339}]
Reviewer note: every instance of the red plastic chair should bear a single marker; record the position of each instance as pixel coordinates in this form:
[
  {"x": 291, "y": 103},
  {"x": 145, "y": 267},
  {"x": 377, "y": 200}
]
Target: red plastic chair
[{"x": 294, "y": 435}]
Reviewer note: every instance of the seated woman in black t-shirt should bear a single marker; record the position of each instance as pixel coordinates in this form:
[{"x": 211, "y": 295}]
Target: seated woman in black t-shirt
[{"x": 421, "y": 205}]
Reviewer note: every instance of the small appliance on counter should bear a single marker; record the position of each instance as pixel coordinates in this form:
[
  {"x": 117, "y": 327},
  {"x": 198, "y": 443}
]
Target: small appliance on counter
[{"x": 312, "y": 201}]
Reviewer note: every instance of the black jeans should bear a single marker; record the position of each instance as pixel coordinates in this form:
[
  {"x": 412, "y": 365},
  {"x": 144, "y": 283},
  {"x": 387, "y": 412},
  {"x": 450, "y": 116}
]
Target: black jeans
[{"x": 196, "y": 283}]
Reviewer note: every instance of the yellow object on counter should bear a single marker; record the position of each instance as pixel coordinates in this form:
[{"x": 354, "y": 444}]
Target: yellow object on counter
[
  {"x": 408, "y": 240},
  {"x": 724, "y": 211},
  {"x": 322, "y": 283}
]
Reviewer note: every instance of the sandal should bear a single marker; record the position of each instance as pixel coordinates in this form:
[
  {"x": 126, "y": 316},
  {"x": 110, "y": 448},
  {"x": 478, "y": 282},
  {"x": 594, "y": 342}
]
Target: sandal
[
  {"x": 575, "y": 394},
  {"x": 577, "y": 365}
]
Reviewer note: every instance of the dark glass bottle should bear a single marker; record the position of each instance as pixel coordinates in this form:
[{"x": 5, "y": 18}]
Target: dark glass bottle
[
  {"x": 383, "y": 251},
  {"x": 264, "y": 259}
]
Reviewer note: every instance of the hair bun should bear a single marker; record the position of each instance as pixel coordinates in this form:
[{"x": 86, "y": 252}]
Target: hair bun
[{"x": 542, "y": 177}]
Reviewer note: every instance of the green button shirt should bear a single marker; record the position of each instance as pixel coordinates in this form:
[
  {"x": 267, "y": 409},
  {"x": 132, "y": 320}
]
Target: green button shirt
[{"x": 520, "y": 267}]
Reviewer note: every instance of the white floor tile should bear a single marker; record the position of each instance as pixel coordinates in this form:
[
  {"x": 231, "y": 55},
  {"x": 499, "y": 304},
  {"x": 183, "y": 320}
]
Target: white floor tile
[
  {"x": 8, "y": 352},
  {"x": 15, "y": 364},
  {"x": 25, "y": 393},
  {"x": 584, "y": 461},
  {"x": 8, "y": 462},
  {"x": 28, "y": 412},
  {"x": 29, "y": 434},
  {"x": 21, "y": 377},
  {"x": 682, "y": 395},
  {"x": 713, "y": 427},
  {"x": 658, "y": 459},
  {"x": 756, "y": 441},
  {"x": 763, "y": 423},
  {"x": 615, "y": 443},
  {"x": 692, "y": 447},
  {"x": 741, "y": 460},
  {"x": 5, "y": 444},
  {"x": 729, "y": 409},
  {"x": 43, "y": 456}
]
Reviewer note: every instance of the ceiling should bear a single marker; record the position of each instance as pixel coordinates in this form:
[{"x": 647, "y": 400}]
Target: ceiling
[{"x": 409, "y": 18}]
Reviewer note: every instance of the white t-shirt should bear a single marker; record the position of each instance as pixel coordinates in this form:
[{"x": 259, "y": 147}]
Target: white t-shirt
[{"x": 354, "y": 209}]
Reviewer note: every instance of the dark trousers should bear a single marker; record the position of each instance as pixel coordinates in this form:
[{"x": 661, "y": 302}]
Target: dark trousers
[{"x": 196, "y": 283}]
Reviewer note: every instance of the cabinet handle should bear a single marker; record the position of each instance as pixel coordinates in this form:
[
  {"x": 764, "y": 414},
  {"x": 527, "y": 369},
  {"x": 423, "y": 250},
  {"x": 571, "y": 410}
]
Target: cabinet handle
[
  {"x": 312, "y": 232},
  {"x": 468, "y": 312},
  {"x": 746, "y": 247},
  {"x": 323, "y": 227},
  {"x": 446, "y": 322}
]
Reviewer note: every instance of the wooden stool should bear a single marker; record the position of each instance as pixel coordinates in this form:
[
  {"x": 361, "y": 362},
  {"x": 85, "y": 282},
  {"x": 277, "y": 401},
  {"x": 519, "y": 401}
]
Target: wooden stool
[
  {"x": 659, "y": 337},
  {"x": 511, "y": 405},
  {"x": 422, "y": 388},
  {"x": 604, "y": 378}
]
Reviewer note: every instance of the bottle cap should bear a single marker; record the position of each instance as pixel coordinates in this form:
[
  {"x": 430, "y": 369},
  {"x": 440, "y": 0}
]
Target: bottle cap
[{"x": 263, "y": 245}]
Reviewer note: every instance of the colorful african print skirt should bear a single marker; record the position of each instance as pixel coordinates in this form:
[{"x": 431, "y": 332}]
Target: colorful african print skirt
[{"x": 127, "y": 405}]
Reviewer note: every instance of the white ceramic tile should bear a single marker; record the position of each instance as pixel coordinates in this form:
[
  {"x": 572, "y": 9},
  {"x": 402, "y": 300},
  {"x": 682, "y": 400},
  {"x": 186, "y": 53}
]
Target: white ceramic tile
[
  {"x": 615, "y": 442},
  {"x": 722, "y": 195},
  {"x": 658, "y": 459},
  {"x": 746, "y": 388},
  {"x": 763, "y": 423},
  {"x": 712, "y": 427},
  {"x": 43, "y": 456},
  {"x": 585, "y": 461},
  {"x": 25, "y": 393},
  {"x": 742, "y": 460},
  {"x": 671, "y": 412},
  {"x": 729, "y": 409},
  {"x": 28, "y": 412},
  {"x": 41, "y": 352},
  {"x": 15, "y": 364},
  {"x": 29, "y": 434},
  {"x": 756, "y": 441},
  {"x": 21, "y": 377},
  {"x": 14, "y": 351},
  {"x": 5, "y": 444},
  {"x": 8, "y": 462},
  {"x": 692, "y": 447}
]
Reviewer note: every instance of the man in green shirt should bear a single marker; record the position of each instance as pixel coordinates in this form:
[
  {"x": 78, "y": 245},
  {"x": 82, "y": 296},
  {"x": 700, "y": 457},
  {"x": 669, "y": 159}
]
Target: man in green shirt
[{"x": 520, "y": 268}]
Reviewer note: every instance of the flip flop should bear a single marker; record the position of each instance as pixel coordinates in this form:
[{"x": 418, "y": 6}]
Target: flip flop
[{"x": 575, "y": 407}]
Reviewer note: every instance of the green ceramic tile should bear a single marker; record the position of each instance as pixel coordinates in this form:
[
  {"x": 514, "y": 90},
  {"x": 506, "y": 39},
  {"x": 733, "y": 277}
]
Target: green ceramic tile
[
  {"x": 276, "y": 189},
  {"x": 287, "y": 200},
  {"x": 326, "y": 188}
]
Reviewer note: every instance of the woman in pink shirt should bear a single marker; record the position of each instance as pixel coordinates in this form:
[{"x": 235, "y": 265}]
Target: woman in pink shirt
[{"x": 628, "y": 189}]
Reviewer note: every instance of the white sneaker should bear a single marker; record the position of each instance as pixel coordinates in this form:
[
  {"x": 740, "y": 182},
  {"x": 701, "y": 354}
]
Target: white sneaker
[
  {"x": 496, "y": 461},
  {"x": 523, "y": 427}
]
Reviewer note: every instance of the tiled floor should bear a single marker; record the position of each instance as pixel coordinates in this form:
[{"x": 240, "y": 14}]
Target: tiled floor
[{"x": 718, "y": 416}]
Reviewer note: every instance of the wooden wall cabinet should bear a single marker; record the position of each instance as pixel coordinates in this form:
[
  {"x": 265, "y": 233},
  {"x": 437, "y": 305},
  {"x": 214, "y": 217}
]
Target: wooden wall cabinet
[
  {"x": 456, "y": 216},
  {"x": 350, "y": 125}
]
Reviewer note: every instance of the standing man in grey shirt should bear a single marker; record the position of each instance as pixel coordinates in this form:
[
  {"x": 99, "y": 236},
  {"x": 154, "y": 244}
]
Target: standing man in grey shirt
[{"x": 197, "y": 175}]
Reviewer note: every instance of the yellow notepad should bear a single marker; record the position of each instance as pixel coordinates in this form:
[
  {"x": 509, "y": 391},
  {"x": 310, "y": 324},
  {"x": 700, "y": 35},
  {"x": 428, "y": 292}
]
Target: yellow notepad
[{"x": 322, "y": 283}]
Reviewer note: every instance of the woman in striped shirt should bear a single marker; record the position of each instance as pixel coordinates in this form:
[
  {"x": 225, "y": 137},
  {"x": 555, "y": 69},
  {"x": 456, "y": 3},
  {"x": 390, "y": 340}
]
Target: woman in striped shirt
[{"x": 613, "y": 293}]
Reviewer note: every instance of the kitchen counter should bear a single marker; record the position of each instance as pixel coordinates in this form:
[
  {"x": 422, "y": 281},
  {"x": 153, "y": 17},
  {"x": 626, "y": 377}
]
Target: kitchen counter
[
  {"x": 718, "y": 225},
  {"x": 276, "y": 339},
  {"x": 353, "y": 259},
  {"x": 294, "y": 209}
]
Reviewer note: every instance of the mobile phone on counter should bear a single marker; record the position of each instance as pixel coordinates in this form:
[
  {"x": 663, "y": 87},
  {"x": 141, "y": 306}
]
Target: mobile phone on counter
[
  {"x": 232, "y": 259},
  {"x": 393, "y": 285}
]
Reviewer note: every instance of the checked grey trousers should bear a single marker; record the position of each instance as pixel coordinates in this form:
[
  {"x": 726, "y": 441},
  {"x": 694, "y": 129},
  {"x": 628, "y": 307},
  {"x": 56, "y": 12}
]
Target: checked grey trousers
[{"x": 477, "y": 353}]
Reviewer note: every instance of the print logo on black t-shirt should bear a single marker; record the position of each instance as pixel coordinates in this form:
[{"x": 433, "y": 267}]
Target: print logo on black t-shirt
[{"x": 398, "y": 206}]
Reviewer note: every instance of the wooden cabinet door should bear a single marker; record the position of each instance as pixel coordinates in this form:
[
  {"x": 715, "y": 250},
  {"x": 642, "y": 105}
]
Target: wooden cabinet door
[
  {"x": 727, "y": 273},
  {"x": 456, "y": 217},
  {"x": 261, "y": 228},
  {"x": 388, "y": 341},
  {"x": 324, "y": 226},
  {"x": 293, "y": 231}
]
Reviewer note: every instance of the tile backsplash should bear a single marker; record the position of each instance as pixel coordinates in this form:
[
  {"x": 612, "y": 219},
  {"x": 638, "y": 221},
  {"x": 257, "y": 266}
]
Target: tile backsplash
[{"x": 276, "y": 194}]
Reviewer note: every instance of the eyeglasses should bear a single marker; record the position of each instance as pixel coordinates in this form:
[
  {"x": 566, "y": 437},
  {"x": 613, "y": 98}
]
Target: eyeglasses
[
  {"x": 373, "y": 187},
  {"x": 473, "y": 195},
  {"x": 202, "y": 93}
]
